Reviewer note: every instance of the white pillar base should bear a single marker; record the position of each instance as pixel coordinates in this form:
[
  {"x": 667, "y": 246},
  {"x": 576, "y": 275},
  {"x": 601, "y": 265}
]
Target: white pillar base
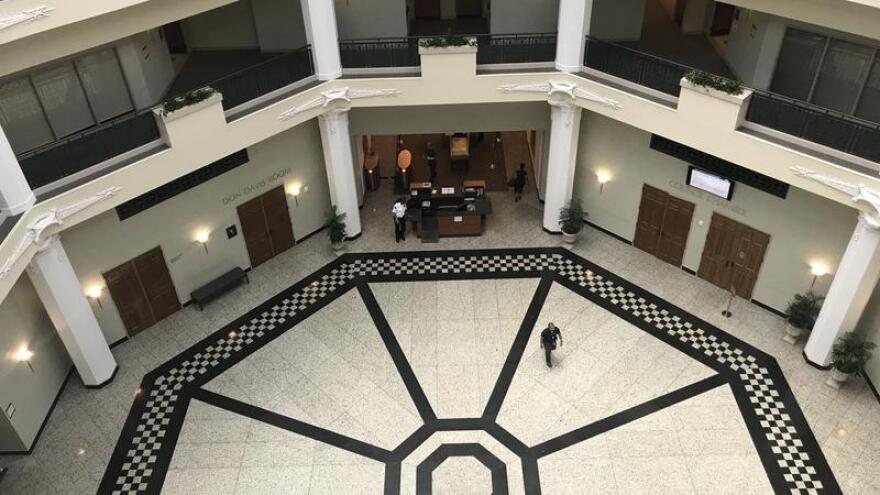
[
  {"x": 848, "y": 295},
  {"x": 59, "y": 289},
  {"x": 565, "y": 125},
  {"x": 339, "y": 162}
]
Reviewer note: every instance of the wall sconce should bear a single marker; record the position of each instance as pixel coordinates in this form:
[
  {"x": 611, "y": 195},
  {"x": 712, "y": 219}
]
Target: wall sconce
[
  {"x": 24, "y": 355},
  {"x": 602, "y": 176},
  {"x": 818, "y": 269},
  {"x": 94, "y": 293},
  {"x": 295, "y": 190},
  {"x": 201, "y": 236}
]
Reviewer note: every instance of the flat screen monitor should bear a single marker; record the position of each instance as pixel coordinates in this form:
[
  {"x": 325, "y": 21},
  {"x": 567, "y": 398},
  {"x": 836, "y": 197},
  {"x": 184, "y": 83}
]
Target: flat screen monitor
[{"x": 711, "y": 183}]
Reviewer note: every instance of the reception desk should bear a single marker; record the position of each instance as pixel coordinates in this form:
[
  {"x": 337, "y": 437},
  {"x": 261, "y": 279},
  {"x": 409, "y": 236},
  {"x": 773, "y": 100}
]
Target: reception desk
[{"x": 448, "y": 211}]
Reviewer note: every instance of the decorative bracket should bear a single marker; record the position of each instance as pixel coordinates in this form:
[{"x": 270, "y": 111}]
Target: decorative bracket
[
  {"x": 345, "y": 95},
  {"x": 561, "y": 89},
  {"x": 26, "y": 16},
  {"x": 36, "y": 230},
  {"x": 858, "y": 192}
]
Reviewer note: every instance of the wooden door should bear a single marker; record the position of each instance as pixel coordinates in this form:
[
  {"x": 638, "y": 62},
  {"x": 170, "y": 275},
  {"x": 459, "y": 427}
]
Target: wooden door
[
  {"x": 748, "y": 256},
  {"x": 427, "y": 9},
  {"x": 715, "y": 263},
  {"x": 674, "y": 233},
  {"x": 278, "y": 220},
  {"x": 128, "y": 295},
  {"x": 255, "y": 232},
  {"x": 468, "y": 8},
  {"x": 722, "y": 19},
  {"x": 156, "y": 281},
  {"x": 650, "y": 220}
]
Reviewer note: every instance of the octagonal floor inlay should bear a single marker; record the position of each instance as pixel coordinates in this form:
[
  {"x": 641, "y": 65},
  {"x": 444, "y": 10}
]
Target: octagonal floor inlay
[{"x": 422, "y": 373}]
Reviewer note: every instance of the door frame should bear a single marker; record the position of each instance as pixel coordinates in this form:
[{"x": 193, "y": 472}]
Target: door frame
[{"x": 730, "y": 253}]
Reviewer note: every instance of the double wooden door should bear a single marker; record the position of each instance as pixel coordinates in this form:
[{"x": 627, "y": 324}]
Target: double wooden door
[
  {"x": 733, "y": 255},
  {"x": 142, "y": 291},
  {"x": 265, "y": 224},
  {"x": 663, "y": 225}
]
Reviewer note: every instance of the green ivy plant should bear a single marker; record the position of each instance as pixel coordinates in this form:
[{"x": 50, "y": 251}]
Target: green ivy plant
[
  {"x": 335, "y": 225},
  {"x": 803, "y": 309},
  {"x": 851, "y": 353},
  {"x": 571, "y": 217},
  {"x": 447, "y": 40},
  {"x": 187, "y": 99},
  {"x": 706, "y": 80}
]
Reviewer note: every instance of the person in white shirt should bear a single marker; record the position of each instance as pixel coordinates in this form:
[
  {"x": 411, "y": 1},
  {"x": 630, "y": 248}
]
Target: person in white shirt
[{"x": 398, "y": 213}]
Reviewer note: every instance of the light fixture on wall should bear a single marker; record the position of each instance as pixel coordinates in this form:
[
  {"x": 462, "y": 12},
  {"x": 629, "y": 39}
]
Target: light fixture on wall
[
  {"x": 202, "y": 236},
  {"x": 24, "y": 355},
  {"x": 602, "y": 176},
  {"x": 94, "y": 292},
  {"x": 294, "y": 189},
  {"x": 818, "y": 269}
]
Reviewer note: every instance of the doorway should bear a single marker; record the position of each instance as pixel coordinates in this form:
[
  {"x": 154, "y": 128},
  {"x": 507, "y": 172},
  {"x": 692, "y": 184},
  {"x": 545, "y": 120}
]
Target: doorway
[
  {"x": 733, "y": 255},
  {"x": 143, "y": 291},
  {"x": 427, "y": 9},
  {"x": 265, "y": 225},
  {"x": 663, "y": 225}
]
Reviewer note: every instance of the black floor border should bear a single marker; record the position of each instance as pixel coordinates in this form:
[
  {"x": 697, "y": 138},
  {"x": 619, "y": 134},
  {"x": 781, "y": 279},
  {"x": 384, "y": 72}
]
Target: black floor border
[
  {"x": 423, "y": 405},
  {"x": 317, "y": 433},
  {"x": 626, "y": 416},
  {"x": 426, "y": 468}
]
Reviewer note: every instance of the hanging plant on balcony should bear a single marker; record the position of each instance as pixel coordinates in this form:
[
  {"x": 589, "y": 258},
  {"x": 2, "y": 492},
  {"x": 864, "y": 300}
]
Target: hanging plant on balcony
[
  {"x": 711, "y": 81},
  {"x": 191, "y": 98},
  {"x": 446, "y": 41}
]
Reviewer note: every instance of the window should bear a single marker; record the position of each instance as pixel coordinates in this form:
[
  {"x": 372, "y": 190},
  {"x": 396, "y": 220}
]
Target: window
[{"x": 836, "y": 74}]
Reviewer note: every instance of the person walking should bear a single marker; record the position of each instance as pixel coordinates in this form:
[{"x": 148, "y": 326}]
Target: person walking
[
  {"x": 519, "y": 182},
  {"x": 548, "y": 341},
  {"x": 431, "y": 158},
  {"x": 398, "y": 213}
]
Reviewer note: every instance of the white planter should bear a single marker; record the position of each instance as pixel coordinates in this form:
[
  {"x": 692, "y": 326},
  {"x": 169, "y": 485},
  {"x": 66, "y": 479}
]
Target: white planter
[
  {"x": 792, "y": 333},
  {"x": 836, "y": 378},
  {"x": 569, "y": 238},
  {"x": 215, "y": 98}
]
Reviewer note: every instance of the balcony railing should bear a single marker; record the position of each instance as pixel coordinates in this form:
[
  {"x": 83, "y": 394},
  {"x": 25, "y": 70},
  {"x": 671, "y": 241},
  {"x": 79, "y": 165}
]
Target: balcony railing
[
  {"x": 816, "y": 124},
  {"x": 379, "y": 53},
  {"x": 80, "y": 151},
  {"x": 515, "y": 48},
  {"x": 263, "y": 78},
  {"x": 635, "y": 66}
]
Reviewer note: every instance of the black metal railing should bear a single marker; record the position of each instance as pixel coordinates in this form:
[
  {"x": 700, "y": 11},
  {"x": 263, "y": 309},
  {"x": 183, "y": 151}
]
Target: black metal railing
[
  {"x": 515, "y": 48},
  {"x": 82, "y": 150},
  {"x": 635, "y": 66},
  {"x": 816, "y": 124},
  {"x": 257, "y": 80},
  {"x": 379, "y": 53}
]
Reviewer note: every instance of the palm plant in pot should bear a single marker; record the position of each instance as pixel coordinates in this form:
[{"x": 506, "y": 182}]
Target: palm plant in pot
[
  {"x": 849, "y": 356},
  {"x": 801, "y": 314},
  {"x": 336, "y": 230},
  {"x": 571, "y": 220}
]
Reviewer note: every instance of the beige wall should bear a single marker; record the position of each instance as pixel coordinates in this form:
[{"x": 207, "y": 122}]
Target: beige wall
[
  {"x": 104, "y": 242},
  {"x": 869, "y": 327},
  {"x": 794, "y": 223},
  {"x": 24, "y": 323},
  {"x": 451, "y": 118},
  {"x": 230, "y": 26}
]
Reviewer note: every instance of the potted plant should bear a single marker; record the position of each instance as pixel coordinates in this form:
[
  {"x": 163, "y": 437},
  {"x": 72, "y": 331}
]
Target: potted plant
[
  {"x": 336, "y": 230},
  {"x": 571, "y": 220},
  {"x": 704, "y": 79},
  {"x": 848, "y": 357},
  {"x": 801, "y": 314}
]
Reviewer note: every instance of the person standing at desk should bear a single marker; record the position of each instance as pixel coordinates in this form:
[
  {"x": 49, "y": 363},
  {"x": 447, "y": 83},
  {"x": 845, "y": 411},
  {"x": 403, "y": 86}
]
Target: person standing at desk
[
  {"x": 431, "y": 158},
  {"x": 548, "y": 341},
  {"x": 398, "y": 213},
  {"x": 519, "y": 182}
]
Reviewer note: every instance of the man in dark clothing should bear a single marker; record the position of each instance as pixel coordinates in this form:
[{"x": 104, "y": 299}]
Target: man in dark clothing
[
  {"x": 431, "y": 158},
  {"x": 519, "y": 182},
  {"x": 548, "y": 341}
]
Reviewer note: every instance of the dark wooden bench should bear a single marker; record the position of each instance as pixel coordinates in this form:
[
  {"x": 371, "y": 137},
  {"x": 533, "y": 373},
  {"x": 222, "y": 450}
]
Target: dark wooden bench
[{"x": 219, "y": 286}]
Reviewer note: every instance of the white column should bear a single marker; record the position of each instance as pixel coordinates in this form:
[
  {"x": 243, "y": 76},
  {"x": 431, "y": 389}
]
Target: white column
[
  {"x": 574, "y": 26},
  {"x": 15, "y": 192},
  {"x": 320, "y": 20},
  {"x": 339, "y": 162},
  {"x": 565, "y": 125},
  {"x": 59, "y": 289},
  {"x": 850, "y": 290}
]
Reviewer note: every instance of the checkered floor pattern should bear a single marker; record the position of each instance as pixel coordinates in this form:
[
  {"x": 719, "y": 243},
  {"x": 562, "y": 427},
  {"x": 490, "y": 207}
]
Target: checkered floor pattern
[{"x": 146, "y": 444}]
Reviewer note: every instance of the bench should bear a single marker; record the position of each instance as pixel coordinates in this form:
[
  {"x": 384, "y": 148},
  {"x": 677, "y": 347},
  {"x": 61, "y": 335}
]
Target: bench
[{"x": 219, "y": 286}]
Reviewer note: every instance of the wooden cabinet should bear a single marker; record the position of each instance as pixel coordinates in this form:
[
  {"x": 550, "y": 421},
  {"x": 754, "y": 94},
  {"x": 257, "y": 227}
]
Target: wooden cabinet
[
  {"x": 265, "y": 225},
  {"x": 663, "y": 225},
  {"x": 733, "y": 255},
  {"x": 142, "y": 291}
]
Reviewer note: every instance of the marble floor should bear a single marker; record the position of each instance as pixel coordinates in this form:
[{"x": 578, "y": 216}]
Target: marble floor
[{"x": 623, "y": 410}]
